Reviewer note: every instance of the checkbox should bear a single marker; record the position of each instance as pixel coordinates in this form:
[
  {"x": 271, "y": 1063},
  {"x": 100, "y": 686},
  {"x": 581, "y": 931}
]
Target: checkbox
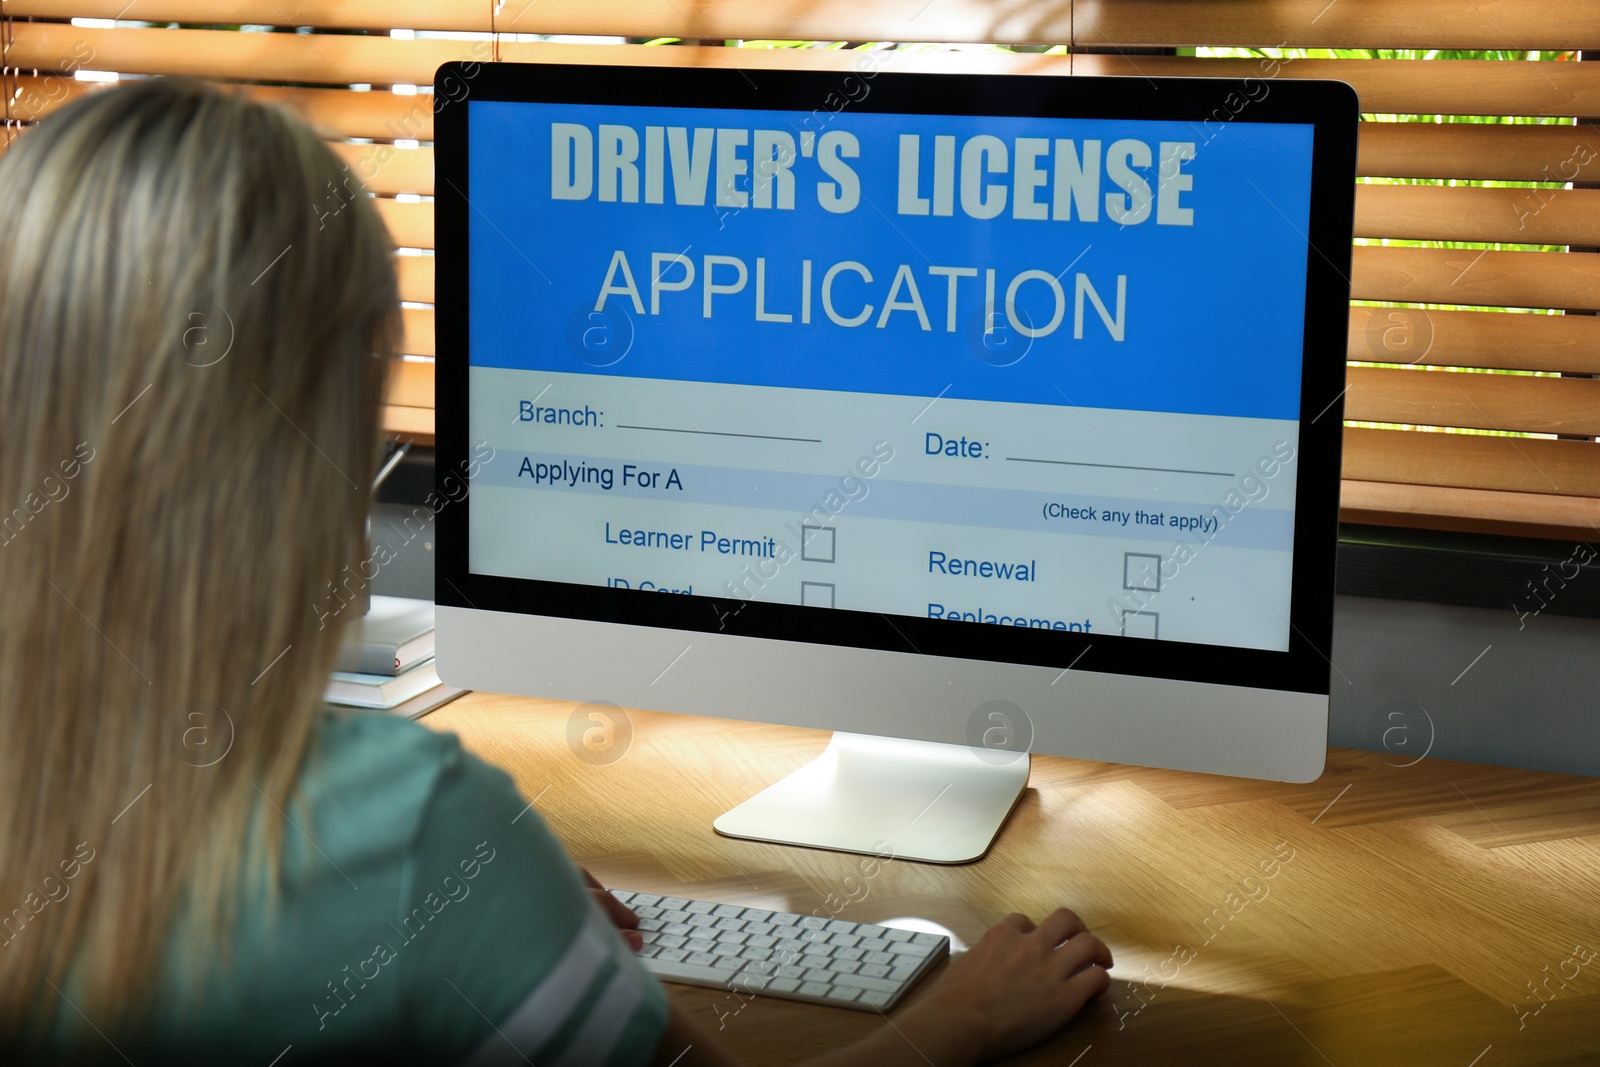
[
  {"x": 1141, "y": 624},
  {"x": 1141, "y": 572},
  {"x": 817, "y": 543},
  {"x": 816, "y": 594}
]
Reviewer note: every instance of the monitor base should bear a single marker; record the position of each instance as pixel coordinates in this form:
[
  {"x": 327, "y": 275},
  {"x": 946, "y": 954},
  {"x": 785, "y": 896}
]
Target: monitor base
[{"x": 888, "y": 797}]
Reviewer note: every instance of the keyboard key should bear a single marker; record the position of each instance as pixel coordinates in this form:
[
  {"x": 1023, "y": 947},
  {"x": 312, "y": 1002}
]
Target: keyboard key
[
  {"x": 696, "y": 974},
  {"x": 844, "y": 993},
  {"x": 673, "y": 955},
  {"x": 756, "y": 915},
  {"x": 789, "y": 970},
  {"x": 731, "y": 925},
  {"x": 903, "y": 948},
  {"x": 670, "y": 940},
  {"x": 874, "y": 970},
  {"x": 700, "y": 907},
  {"x": 701, "y": 944},
  {"x": 622, "y": 895},
  {"x": 645, "y": 912},
  {"x": 874, "y": 944},
  {"x": 879, "y": 957},
  {"x": 898, "y": 935},
  {"x": 682, "y": 929},
  {"x": 645, "y": 900},
  {"x": 818, "y": 974},
  {"x": 762, "y": 941},
  {"x": 784, "y": 985},
  {"x": 877, "y": 1000},
  {"x": 701, "y": 959},
  {"x": 843, "y": 966},
  {"x": 784, "y": 919},
  {"x": 847, "y": 954},
  {"x": 861, "y": 981},
  {"x": 931, "y": 940},
  {"x": 646, "y": 951},
  {"x": 746, "y": 952},
  {"x": 844, "y": 940},
  {"x": 757, "y": 926},
  {"x": 815, "y": 989},
  {"x": 649, "y": 924},
  {"x": 842, "y": 927}
]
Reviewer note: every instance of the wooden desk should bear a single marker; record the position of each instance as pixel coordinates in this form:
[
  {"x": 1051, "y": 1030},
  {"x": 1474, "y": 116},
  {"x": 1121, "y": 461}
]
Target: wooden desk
[{"x": 1419, "y": 912}]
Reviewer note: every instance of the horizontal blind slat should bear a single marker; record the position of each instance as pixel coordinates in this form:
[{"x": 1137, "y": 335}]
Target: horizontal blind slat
[
  {"x": 322, "y": 59},
  {"x": 417, "y": 334},
  {"x": 1472, "y": 461},
  {"x": 415, "y": 274},
  {"x": 1518, "y": 403},
  {"x": 1562, "y": 343},
  {"x": 1454, "y": 24},
  {"x": 410, "y": 225},
  {"x": 1477, "y": 151},
  {"x": 386, "y": 170},
  {"x": 336, "y": 112},
  {"x": 415, "y": 423},
  {"x": 410, "y": 385},
  {"x": 1536, "y": 216},
  {"x": 346, "y": 14},
  {"x": 1483, "y": 510},
  {"x": 1389, "y": 86},
  {"x": 1545, "y": 88},
  {"x": 1462, "y": 150},
  {"x": 1568, "y": 280},
  {"x": 1517, "y": 24}
]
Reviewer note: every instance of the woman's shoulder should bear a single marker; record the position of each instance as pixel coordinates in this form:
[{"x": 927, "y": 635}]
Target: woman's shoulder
[{"x": 371, "y": 779}]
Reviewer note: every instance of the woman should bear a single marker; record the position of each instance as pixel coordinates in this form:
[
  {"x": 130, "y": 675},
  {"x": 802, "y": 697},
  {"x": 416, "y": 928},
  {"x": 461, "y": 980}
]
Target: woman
[{"x": 197, "y": 864}]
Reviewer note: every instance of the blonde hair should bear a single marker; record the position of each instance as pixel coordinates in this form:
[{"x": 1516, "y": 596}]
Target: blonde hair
[{"x": 194, "y": 303}]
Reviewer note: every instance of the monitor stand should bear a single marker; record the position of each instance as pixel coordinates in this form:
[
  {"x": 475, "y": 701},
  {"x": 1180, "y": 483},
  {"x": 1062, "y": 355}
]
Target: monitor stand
[{"x": 885, "y": 796}]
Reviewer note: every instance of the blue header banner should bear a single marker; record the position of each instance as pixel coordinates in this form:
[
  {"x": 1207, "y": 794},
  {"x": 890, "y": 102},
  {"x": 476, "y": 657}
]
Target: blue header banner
[{"x": 1107, "y": 263}]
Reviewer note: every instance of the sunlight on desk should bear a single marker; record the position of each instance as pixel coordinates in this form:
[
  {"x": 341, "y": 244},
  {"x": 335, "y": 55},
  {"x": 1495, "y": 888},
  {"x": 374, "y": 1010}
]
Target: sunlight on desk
[{"x": 1382, "y": 915}]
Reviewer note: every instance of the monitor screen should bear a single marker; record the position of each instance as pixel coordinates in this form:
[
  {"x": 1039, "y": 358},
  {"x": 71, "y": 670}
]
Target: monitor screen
[
  {"x": 1017, "y": 369},
  {"x": 948, "y": 367}
]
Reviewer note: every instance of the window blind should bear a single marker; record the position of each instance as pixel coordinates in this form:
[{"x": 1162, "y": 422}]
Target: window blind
[{"x": 1473, "y": 400}]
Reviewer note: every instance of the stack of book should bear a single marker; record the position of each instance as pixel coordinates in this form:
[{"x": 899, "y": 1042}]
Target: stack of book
[{"x": 387, "y": 661}]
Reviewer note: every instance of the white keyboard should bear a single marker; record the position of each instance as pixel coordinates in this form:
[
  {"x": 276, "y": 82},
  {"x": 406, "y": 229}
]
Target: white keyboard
[{"x": 796, "y": 957}]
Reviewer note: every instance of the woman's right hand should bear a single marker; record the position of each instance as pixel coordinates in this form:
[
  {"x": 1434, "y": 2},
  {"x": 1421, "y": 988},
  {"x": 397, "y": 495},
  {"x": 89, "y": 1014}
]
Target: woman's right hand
[
  {"x": 1014, "y": 988},
  {"x": 1020, "y": 983}
]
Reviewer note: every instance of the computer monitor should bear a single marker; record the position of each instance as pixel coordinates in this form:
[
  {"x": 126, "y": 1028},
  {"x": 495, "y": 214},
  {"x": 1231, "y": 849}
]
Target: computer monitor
[{"x": 964, "y": 415}]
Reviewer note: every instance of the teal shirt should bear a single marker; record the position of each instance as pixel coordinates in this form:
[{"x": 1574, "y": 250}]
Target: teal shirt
[{"x": 431, "y": 917}]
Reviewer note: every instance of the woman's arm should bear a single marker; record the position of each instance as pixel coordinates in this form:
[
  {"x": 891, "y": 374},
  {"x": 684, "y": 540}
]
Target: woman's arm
[{"x": 1014, "y": 988}]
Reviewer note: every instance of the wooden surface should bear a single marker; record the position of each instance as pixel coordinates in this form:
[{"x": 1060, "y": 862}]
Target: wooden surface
[{"x": 1427, "y": 913}]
